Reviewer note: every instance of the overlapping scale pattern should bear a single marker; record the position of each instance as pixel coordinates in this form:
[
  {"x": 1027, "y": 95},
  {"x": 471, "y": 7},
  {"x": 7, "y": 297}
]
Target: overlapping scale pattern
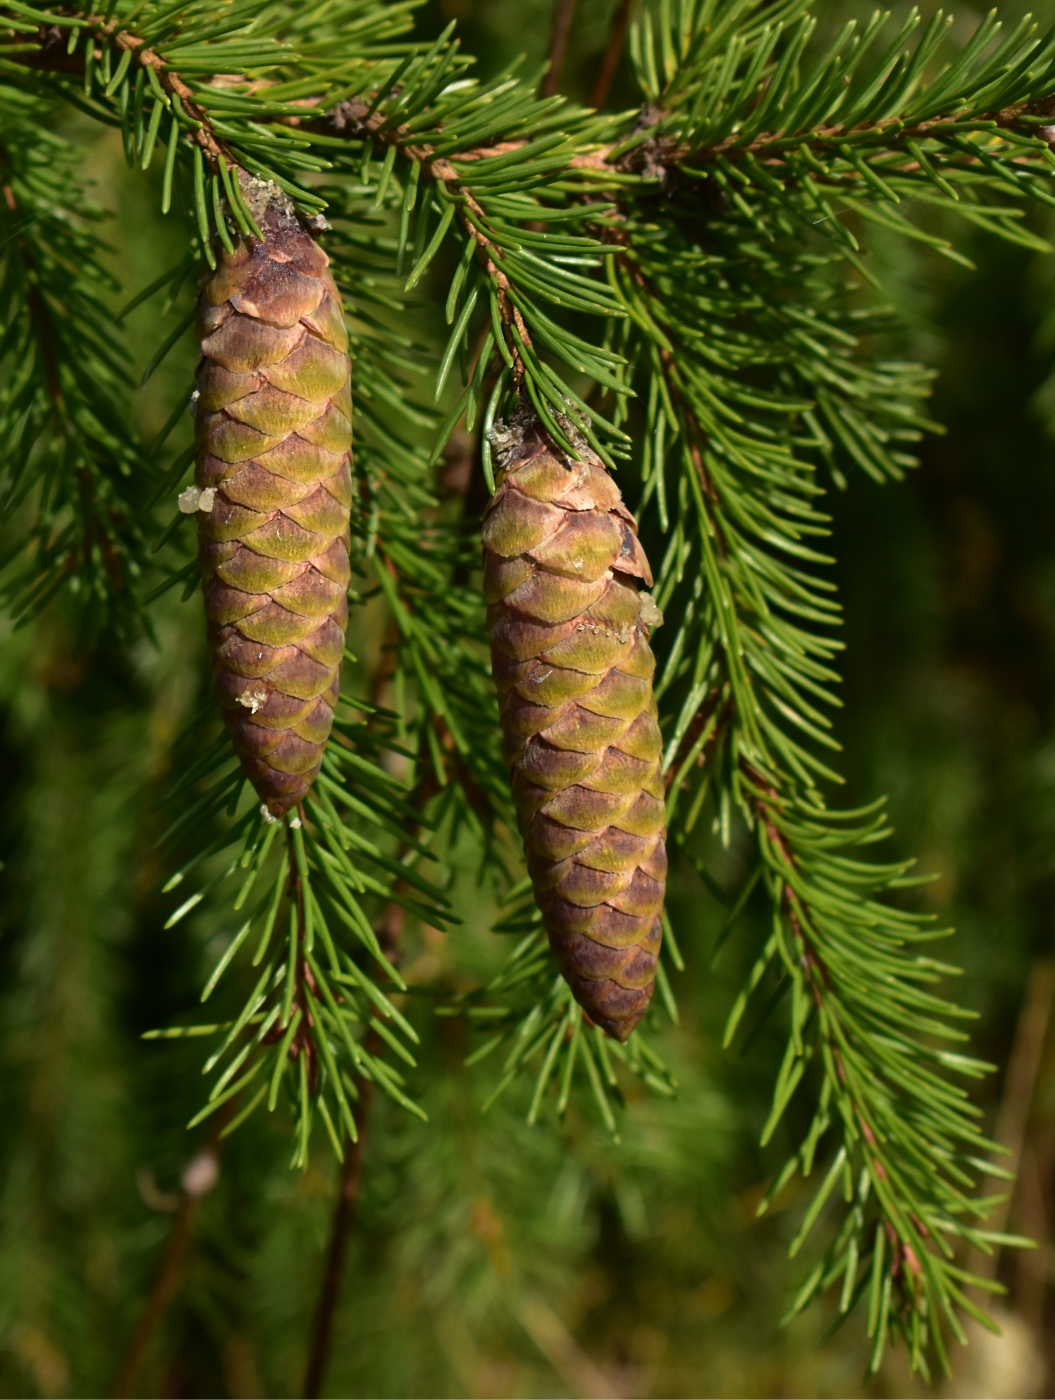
[
  {"x": 273, "y": 418},
  {"x": 569, "y": 632}
]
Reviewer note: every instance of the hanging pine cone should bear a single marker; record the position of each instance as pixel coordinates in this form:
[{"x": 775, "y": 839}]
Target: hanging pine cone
[
  {"x": 274, "y": 432},
  {"x": 569, "y": 650}
]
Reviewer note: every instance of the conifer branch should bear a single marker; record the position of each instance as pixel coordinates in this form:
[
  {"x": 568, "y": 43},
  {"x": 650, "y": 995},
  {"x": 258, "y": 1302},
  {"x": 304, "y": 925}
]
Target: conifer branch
[
  {"x": 722, "y": 306},
  {"x": 71, "y": 490}
]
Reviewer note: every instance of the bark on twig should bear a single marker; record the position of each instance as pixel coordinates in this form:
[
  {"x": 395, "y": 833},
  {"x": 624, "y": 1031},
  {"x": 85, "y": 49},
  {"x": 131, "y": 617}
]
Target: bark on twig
[
  {"x": 612, "y": 54},
  {"x": 1019, "y": 1088},
  {"x": 563, "y": 13},
  {"x": 199, "y": 1178},
  {"x": 336, "y": 1254}
]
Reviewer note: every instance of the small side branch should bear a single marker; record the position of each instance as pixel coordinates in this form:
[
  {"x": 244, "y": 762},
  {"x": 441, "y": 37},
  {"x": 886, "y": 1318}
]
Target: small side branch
[
  {"x": 389, "y": 933},
  {"x": 1019, "y": 1091},
  {"x": 199, "y": 1178},
  {"x": 612, "y": 54},
  {"x": 336, "y": 1254},
  {"x": 563, "y": 14}
]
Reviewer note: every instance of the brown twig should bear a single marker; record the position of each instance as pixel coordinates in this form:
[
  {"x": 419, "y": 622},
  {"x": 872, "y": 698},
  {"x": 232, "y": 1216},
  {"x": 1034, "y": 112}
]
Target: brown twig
[
  {"x": 1019, "y": 1089},
  {"x": 198, "y": 1179},
  {"x": 612, "y": 54},
  {"x": 337, "y": 1253},
  {"x": 563, "y": 13},
  {"x": 358, "y": 118},
  {"x": 389, "y": 932},
  {"x": 1033, "y": 1267},
  {"x": 164, "y": 1291}
]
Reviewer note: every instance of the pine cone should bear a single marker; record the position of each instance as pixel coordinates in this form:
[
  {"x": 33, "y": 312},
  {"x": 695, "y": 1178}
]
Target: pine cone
[
  {"x": 274, "y": 431},
  {"x": 570, "y": 655}
]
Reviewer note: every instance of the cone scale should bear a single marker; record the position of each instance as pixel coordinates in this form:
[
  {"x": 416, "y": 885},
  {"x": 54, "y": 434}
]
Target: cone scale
[
  {"x": 273, "y": 421},
  {"x": 569, "y": 628}
]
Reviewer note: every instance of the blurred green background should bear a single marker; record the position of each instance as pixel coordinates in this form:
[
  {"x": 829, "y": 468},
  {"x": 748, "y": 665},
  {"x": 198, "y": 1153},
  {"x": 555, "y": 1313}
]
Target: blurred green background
[{"x": 490, "y": 1259}]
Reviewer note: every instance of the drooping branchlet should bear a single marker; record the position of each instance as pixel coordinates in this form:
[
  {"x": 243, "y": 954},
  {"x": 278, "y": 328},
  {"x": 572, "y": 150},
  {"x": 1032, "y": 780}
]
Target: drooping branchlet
[
  {"x": 273, "y": 417},
  {"x": 569, "y": 628}
]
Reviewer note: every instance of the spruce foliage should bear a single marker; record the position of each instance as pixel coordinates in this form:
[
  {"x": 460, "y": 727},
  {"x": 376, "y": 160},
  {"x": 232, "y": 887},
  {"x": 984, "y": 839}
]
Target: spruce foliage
[{"x": 688, "y": 284}]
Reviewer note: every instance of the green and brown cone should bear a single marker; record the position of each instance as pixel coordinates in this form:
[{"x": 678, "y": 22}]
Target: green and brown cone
[
  {"x": 274, "y": 431},
  {"x": 569, "y": 629}
]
